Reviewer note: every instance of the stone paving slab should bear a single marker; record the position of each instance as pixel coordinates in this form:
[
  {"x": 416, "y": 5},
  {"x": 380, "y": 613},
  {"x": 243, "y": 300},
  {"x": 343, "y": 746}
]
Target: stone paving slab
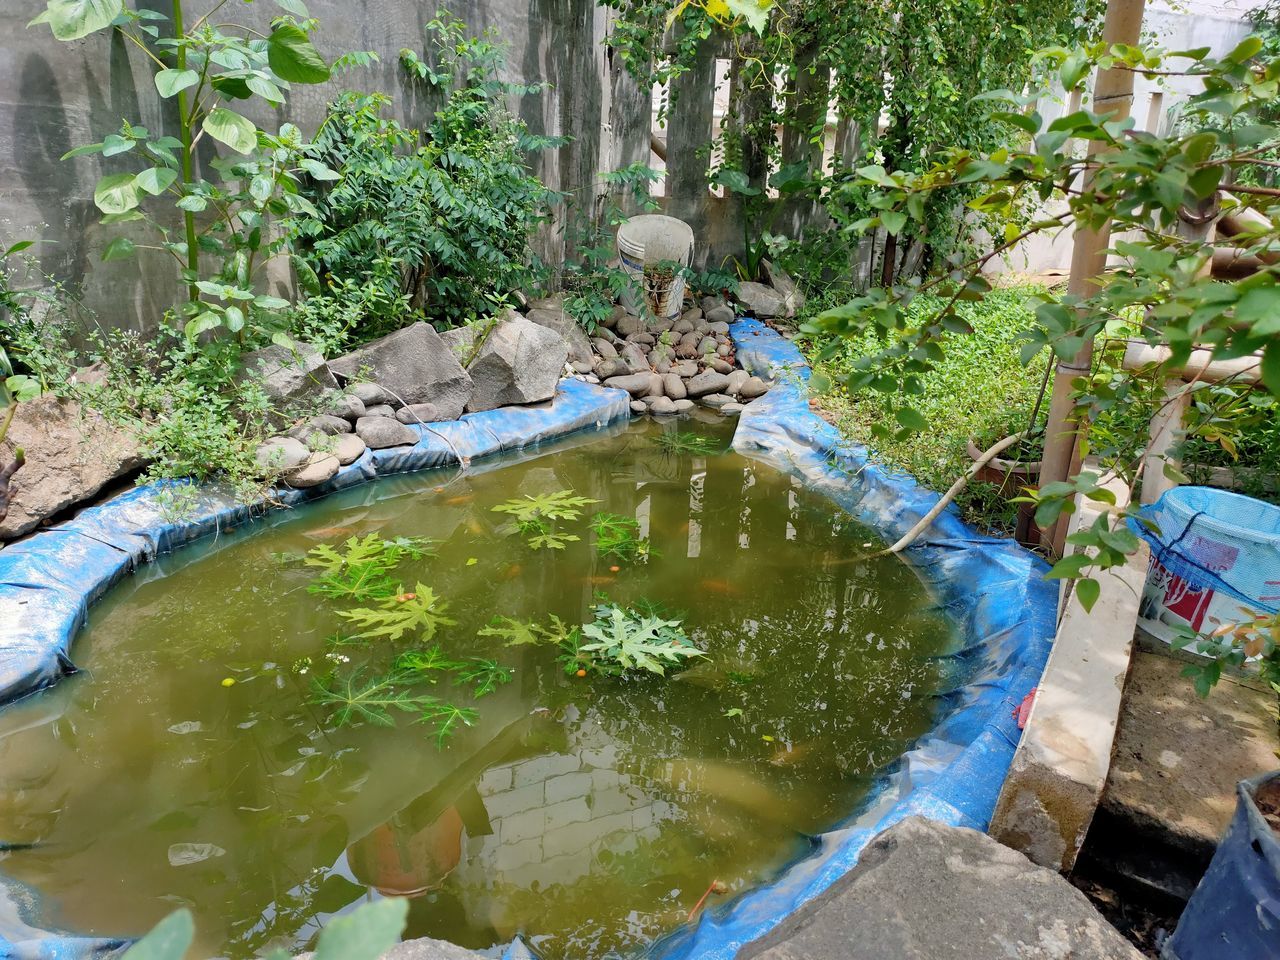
[
  {"x": 1178, "y": 758},
  {"x": 926, "y": 891}
]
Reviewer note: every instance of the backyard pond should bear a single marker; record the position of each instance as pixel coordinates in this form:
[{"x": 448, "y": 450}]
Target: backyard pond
[{"x": 270, "y": 742}]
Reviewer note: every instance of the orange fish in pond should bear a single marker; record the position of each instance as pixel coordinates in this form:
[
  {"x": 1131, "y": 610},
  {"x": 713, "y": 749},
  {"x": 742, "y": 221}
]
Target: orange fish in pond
[
  {"x": 598, "y": 580},
  {"x": 786, "y": 755},
  {"x": 437, "y": 489},
  {"x": 406, "y": 597},
  {"x": 475, "y": 527},
  {"x": 514, "y": 571},
  {"x": 720, "y": 586},
  {"x": 460, "y": 499}
]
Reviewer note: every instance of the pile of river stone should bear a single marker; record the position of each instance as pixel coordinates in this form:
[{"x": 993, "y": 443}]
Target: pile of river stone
[
  {"x": 373, "y": 396},
  {"x": 667, "y": 366}
]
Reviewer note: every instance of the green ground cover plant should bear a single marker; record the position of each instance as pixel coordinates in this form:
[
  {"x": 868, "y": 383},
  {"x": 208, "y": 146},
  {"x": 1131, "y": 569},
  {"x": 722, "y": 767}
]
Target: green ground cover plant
[{"x": 979, "y": 390}]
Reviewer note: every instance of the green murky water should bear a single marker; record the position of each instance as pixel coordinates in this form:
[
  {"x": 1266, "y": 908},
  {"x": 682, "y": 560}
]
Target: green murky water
[{"x": 588, "y": 815}]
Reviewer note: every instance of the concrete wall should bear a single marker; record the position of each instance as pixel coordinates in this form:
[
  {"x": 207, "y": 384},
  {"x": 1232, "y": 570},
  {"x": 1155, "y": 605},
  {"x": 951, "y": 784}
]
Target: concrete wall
[{"x": 55, "y": 96}]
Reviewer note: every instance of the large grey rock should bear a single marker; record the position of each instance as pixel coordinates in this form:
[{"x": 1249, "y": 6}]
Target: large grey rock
[
  {"x": 752, "y": 387},
  {"x": 289, "y": 375},
  {"x": 781, "y": 281},
  {"x": 633, "y": 355},
  {"x": 281, "y": 454},
  {"x": 706, "y": 382},
  {"x": 347, "y": 406},
  {"x": 628, "y": 325},
  {"x": 423, "y": 948},
  {"x": 636, "y": 384},
  {"x": 663, "y": 407},
  {"x": 369, "y": 394},
  {"x": 926, "y": 891},
  {"x": 332, "y": 426},
  {"x": 763, "y": 301},
  {"x": 71, "y": 453},
  {"x": 674, "y": 387},
  {"x": 568, "y": 328},
  {"x": 720, "y": 314},
  {"x": 415, "y": 366},
  {"x": 418, "y": 413},
  {"x": 604, "y": 348},
  {"x": 319, "y": 467},
  {"x": 736, "y": 379},
  {"x": 348, "y": 448},
  {"x": 379, "y": 432},
  {"x": 519, "y": 362}
]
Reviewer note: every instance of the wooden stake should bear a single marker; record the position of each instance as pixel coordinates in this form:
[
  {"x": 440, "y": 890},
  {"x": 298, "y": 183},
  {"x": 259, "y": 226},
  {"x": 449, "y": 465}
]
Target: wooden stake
[{"x": 1112, "y": 96}]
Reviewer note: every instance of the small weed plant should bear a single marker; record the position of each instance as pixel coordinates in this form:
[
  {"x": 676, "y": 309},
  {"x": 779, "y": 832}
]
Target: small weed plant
[
  {"x": 686, "y": 443},
  {"x": 361, "y": 568}
]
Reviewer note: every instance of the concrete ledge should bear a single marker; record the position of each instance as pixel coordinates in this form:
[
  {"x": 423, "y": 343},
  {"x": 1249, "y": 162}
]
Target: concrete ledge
[{"x": 1060, "y": 767}]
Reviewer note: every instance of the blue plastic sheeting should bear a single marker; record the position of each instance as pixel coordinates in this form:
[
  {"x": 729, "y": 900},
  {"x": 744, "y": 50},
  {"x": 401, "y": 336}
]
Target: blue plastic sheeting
[
  {"x": 993, "y": 588},
  {"x": 48, "y": 581}
]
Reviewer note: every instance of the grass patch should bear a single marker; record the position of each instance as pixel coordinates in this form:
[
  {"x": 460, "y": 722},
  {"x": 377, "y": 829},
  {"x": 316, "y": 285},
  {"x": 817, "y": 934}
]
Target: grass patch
[{"x": 981, "y": 390}]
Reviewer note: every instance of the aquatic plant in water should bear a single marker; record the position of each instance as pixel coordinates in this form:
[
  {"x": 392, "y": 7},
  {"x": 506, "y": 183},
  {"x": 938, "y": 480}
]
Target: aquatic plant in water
[
  {"x": 687, "y": 443},
  {"x": 618, "y": 537},
  {"x": 396, "y": 616},
  {"x": 619, "y": 640},
  {"x": 533, "y": 516},
  {"x": 361, "y": 697},
  {"x": 361, "y": 569}
]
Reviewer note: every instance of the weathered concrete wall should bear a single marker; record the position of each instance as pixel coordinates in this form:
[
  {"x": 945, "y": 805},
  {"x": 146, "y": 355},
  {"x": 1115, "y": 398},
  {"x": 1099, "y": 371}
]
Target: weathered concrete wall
[{"x": 56, "y": 96}]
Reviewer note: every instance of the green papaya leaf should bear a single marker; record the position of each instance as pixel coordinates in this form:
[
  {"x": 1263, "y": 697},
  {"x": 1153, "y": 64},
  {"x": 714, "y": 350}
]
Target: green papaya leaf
[
  {"x": 121, "y": 248},
  {"x": 116, "y": 193},
  {"x": 230, "y": 128},
  {"x": 168, "y": 939},
  {"x": 171, "y": 82},
  {"x": 293, "y": 58}
]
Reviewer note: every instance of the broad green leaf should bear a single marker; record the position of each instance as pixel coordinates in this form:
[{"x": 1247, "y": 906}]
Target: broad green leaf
[
  {"x": 114, "y": 144},
  {"x": 121, "y": 248},
  {"x": 193, "y": 202},
  {"x": 19, "y": 247},
  {"x": 233, "y": 317},
  {"x": 171, "y": 82},
  {"x": 910, "y": 418},
  {"x": 1260, "y": 307},
  {"x": 1271, "y": 367},
  {"x": 261, "y": 188},
  {"x": 894, "y": 221},
  {"x": 73, "y": 19},
  {"x": 202, "y": 322},
  {"x": 116, "y": 193},
  {"x": 364, "y": 934},
  {"x": 292, "y": 56},
  {"x": 156, "y": 180},
  {"x": 232, "y": 129},
  {"x": 1087, "y": 592},
  {"x": 265, "y": 89},
  {"x": 318, "y": 170},
  {"x": 296, "y": 7},
  {"x": 87, "y": 149},
  {"x": 168, "y": 939},
  {"x": 755, "y": 12}
]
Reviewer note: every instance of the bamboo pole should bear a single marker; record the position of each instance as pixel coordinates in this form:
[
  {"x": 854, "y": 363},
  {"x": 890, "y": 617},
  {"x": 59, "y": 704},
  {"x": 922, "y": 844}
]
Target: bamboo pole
[{"x": 1113, "y": 96}]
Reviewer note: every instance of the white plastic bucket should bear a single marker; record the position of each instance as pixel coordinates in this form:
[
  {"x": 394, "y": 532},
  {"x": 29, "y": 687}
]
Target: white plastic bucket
[
  {"x": 649, "y": 239},
  {"x": 1214, "y": 561}
]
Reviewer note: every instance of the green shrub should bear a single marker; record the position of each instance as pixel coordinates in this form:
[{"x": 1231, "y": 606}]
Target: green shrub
[{"x": 433, "y": 223}]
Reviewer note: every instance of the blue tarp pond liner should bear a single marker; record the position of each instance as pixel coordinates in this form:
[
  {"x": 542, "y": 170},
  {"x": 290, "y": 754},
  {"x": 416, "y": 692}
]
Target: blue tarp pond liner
[{"x": 993, "y": 589}]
